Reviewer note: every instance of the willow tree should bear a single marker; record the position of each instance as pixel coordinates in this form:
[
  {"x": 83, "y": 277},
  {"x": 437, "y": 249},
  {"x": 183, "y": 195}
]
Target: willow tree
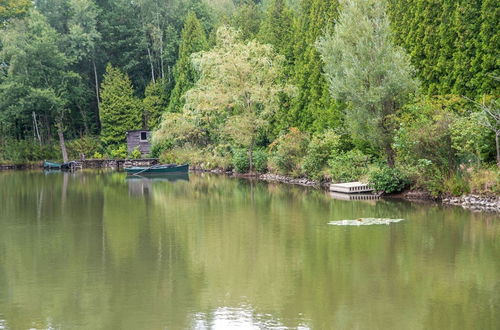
[
  {"x": 366, "y": 70},
  {"x": 239, "y": 82}
]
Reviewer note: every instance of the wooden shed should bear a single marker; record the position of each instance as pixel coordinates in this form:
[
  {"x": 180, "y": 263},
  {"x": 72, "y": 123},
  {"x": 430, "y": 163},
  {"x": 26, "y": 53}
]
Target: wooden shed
[{"x": 140, "y": 139}]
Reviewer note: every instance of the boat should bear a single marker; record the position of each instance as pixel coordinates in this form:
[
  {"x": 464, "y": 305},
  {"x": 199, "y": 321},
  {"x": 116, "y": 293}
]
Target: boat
[
  {"x": 157, "y": 169},
  {"x": 51, "y": 165}
]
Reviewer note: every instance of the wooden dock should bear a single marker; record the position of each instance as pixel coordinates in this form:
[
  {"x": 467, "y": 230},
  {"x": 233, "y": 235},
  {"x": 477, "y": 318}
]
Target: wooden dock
[
  {"x": 351, "y": 187},
  {"x": 354, "y": 197}
]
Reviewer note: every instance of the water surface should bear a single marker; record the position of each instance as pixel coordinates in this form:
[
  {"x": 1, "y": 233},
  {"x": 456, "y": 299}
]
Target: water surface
[{"x": 94, "y": 250}]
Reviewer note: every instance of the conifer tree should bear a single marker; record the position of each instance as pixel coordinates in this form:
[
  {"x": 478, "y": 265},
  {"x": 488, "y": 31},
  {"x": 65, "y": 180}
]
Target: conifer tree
[
  {"x": 193, "y": 40},
  {"x": 154, "y": 103},
  {"x": 247, "y": 18},
  {"x": 276, "y": 28},
  {"x": 312, "y": 109},
  {"x": 489, "y": 50},
  {"x": 120, "y": 109},
  {"x": 447, "y": 37},
  {"x": 467, "y": 27}
]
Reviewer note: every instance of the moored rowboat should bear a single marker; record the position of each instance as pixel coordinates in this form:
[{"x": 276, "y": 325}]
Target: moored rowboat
[
  {"x": 158, "y": 169},
  {"x": 51, "y": 165}
]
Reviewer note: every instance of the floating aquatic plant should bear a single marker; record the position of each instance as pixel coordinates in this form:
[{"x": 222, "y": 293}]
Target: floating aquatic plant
[{"x": 365, "y": 222}]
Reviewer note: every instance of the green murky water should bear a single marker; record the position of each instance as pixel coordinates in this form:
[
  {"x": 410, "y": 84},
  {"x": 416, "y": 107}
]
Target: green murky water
[{"x": 97, "y": 251}]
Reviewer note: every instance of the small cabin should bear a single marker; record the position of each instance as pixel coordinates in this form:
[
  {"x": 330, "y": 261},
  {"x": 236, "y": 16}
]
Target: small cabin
[{"x": 139, "y": 139}]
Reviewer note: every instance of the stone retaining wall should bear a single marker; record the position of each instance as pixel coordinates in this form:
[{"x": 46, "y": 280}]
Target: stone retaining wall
[
  {"x": 20, "y": 166},
  {"x": 91, "y": 163},
  {"x": 475, "y": 202},
  {"x": 118, "y": 163}
]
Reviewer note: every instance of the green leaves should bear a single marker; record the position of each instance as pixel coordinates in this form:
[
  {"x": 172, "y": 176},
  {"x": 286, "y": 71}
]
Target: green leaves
[
  {"x": 367, "y": 71},
  {"x": 38, "y": 77},
  {"x": 120, "y": 109},
  {"x": 193, "y": 40}
]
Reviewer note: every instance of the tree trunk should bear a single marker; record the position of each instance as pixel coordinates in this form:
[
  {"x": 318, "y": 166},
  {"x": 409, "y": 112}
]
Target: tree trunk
[
  {"x": 390, "y": 155},
  {"x": 250, "y": 157},
  {"x": 36, "y": 129},
  {"x": 97, "y": 92},
  {"x": 161, "y": 57},
  {"x": 152, "y": 67},
  {"x": 497, "y": 138},
  {"x": 84, "y": 120},
  {"x": 61, "y": 142}
]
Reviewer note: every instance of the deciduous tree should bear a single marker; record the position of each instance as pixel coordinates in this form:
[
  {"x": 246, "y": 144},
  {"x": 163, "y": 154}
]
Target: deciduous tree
[{"x": 365, "y": 69}]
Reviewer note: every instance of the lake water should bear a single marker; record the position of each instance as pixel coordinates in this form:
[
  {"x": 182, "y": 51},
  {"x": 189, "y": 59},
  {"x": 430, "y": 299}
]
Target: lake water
[{"x": 95, "y": 250}]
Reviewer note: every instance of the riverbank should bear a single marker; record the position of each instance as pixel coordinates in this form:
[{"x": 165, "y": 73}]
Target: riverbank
[
  {"x": 474, "y": 202},
  {"x": 489, "y": 203}
]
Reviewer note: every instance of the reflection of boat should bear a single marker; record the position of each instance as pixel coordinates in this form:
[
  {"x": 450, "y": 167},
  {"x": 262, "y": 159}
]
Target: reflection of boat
[
  {"x": 159, "y": 177},
  {"x": 51, "y": 165},
  {"x": 158, "y": 169},
  {"x": 142, "y": 185}
]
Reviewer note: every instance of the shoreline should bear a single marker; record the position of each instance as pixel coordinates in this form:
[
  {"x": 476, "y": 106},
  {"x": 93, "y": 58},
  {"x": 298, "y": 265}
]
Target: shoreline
[{"x": 473, "y": 202}]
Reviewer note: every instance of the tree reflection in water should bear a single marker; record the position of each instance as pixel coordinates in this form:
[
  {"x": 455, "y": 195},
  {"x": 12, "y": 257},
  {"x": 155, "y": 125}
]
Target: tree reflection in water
[{"x": 93, "y": 251}]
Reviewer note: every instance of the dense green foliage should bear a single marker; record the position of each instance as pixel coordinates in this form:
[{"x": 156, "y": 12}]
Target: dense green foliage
[
  {"x": 120, "y": 109},
  {"x": 367, "y": 71},
  {"x": 389, "y": 180},
  {"x": 453, "y": 44},
  {"x": 193, "y": 40},
  {"x": 290, "y": 86}
]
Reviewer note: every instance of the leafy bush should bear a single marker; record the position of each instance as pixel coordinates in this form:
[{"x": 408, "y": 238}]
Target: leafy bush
[
  {"x": 206, "y": 159},
  {"x": 28, "y": 150},
  {"x": 160, "y": 147},
  {"x": 119, "y": 152},
  {"x": 348, "y": 166},
  {"x": 241, "y": 162},
  {"x": 425, "y": 133},
  {"x": 97, "y": 155},
  {"x": 426, "y": 175},
  {"x": 457, "y": 184},
  {"x": 321, "y": 148},
  {"x": 470, "y": 138},
  {"x": 485, "y": 180},
  {"x": 260, "y": 161},
  {"x": 287, "y": 152},
  {"x": 86, "y": 146},
  {"x": 389, "y": 180},
  {"x": 136, "y": 153}
]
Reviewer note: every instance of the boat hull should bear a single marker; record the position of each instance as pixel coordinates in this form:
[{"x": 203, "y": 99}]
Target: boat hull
[
  {"x": 51, "y": 165},
  {"x": 157, "y": 170}
]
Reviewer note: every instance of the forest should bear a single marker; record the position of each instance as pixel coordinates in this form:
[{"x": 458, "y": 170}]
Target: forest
[{"x": 400, "y": 93}]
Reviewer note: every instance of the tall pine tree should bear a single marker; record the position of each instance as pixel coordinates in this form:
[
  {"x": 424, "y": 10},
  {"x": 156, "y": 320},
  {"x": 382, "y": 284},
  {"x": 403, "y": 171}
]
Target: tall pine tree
[
  {"x": 489, "y": 48},
  {"x": 467, "y": 26},
  {"x": 193, "y": 40},
  {"x": 120, "y": 110},
  {"x": 312, "y": 109},
  {"x": 277, "y": 28}
]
